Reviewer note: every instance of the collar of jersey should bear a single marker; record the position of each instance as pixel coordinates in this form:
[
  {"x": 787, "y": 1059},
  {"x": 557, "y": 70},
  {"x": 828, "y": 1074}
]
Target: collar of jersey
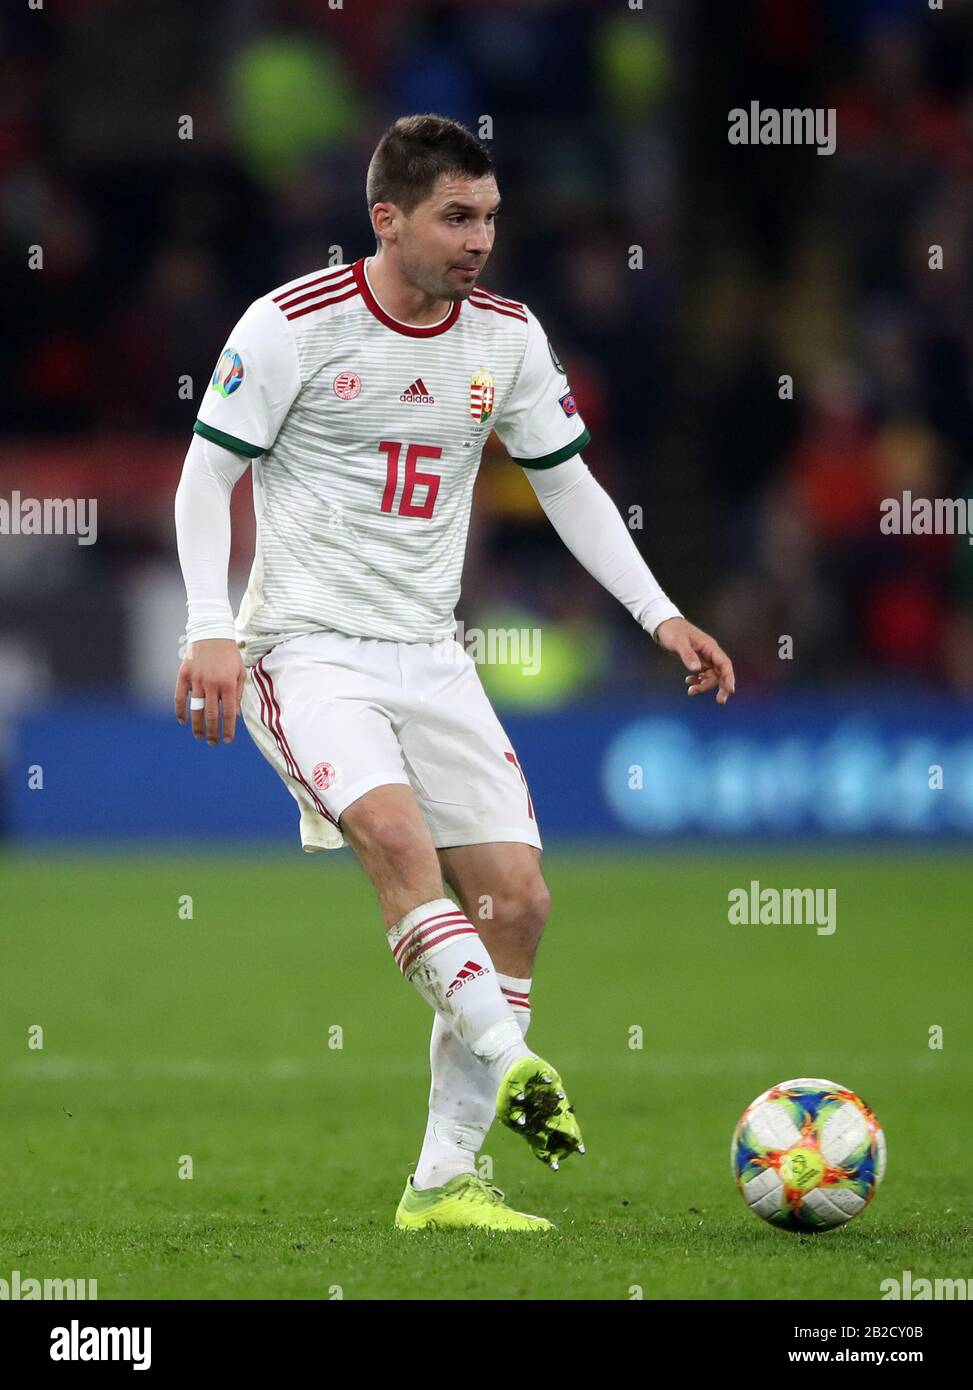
[{"x": 409, "y": 329}]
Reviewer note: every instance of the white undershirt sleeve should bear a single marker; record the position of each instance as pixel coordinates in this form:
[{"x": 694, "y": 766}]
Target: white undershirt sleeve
[
  {"x": 591, "y": 527},
  {"x": 203, "y": 535}
]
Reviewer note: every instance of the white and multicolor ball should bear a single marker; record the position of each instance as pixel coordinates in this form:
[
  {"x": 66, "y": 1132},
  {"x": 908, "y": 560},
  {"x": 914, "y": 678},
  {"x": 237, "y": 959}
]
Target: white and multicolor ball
[{"x": 808, "y": 1155}]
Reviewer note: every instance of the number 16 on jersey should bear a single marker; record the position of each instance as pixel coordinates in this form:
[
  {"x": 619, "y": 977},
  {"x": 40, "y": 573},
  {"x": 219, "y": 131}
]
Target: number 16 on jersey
[{"x": 413, "y": 478}]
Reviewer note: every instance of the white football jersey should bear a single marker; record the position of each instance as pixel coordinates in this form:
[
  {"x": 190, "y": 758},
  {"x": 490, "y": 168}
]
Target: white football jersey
[{"x": 366, "y": 435}]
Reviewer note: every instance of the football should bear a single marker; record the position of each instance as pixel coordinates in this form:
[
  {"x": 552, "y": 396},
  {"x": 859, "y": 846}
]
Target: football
[{"x": 808, "y": 1155}]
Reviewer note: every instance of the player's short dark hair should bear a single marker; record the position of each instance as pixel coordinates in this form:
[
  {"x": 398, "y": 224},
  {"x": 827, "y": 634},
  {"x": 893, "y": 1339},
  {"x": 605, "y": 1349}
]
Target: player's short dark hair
[{"x": 414, "y": 152}]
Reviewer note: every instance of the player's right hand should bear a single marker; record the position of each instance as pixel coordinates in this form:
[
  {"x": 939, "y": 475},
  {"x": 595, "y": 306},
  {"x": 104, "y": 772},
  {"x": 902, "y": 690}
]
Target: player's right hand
[{"x": 214, "y": 671}]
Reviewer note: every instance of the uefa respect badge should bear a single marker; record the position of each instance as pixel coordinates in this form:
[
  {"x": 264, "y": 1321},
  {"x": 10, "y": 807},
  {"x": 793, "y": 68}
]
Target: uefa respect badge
[{"x": 228, "y": 376}]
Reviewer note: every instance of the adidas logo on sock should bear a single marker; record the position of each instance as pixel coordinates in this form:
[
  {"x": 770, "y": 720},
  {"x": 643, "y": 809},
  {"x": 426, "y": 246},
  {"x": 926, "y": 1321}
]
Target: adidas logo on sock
[
  {"x": 416, "y": 394},
  {"x": 469, "y": 972}
]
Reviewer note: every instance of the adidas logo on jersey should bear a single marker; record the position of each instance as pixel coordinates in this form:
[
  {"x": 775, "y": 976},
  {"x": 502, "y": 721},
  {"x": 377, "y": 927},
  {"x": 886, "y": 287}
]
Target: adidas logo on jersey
[
  {"x": 416, "y": 394},
  {"x": 470, "y": 971}
]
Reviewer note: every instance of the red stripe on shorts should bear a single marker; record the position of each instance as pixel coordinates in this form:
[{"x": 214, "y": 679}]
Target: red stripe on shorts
[
  {"x": 273, "y": 722},
  {"x": 512, "y": 758}
]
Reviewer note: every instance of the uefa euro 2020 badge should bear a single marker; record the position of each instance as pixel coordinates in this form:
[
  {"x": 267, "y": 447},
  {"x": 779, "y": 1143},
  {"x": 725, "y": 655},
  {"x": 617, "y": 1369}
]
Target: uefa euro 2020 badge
[
  {"x": 482, "y": 392},
  {"x": 229, "y": 373}
]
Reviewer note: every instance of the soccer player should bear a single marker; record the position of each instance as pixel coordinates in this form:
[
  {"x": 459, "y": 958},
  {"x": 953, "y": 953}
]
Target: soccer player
[{"x": 361, "y": 395}]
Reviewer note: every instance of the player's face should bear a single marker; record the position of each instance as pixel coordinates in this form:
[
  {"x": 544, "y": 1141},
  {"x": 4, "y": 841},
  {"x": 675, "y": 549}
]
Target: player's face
[{"x": 443, "y": 246}]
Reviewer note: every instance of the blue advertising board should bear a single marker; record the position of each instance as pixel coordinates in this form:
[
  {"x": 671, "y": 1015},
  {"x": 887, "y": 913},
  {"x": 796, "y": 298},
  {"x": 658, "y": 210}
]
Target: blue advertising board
[{"x": 782, "y": 769}]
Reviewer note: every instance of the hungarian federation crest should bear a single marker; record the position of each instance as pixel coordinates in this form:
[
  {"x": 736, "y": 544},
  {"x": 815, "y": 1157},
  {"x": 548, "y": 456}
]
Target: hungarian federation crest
[{"x": 481, "y": 395}]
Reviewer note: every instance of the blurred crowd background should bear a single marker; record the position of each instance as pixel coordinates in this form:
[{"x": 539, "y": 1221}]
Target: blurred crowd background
[{"x": 760, "y": 514}]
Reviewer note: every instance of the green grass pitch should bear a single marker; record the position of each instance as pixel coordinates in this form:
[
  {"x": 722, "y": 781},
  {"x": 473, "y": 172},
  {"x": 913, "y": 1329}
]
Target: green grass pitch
[{"x": 209, "y": 1037}]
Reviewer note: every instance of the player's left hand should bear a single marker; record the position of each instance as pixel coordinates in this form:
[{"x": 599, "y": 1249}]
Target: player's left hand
[{"x": 701, "y": 655}]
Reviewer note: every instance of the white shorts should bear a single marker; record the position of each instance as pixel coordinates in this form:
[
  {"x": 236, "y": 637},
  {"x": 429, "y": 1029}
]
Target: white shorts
[{"x": 339, "y": 715}]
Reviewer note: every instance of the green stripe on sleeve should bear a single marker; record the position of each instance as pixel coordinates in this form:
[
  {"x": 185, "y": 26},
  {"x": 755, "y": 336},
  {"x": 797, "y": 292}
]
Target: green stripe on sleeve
[
  {"x": 228, "y": 441},
  {"x": 559, "y": 455}
]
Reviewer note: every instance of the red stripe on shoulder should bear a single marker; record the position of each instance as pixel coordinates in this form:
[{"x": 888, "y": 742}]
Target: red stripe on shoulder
[
  {"x": 495, "y": 309},
  {"x": 508, "y": 303},
  {"x": 333, "y": 285},
  {"x": 324, "y": 303},
  {"x": 328, "y": 276}
]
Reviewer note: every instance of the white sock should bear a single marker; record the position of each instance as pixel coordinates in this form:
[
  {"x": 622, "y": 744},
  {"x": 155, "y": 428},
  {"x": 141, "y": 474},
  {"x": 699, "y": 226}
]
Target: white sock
[
  {"x": 439, "y": 950},
  {"x": 462, "y": 1097}
]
